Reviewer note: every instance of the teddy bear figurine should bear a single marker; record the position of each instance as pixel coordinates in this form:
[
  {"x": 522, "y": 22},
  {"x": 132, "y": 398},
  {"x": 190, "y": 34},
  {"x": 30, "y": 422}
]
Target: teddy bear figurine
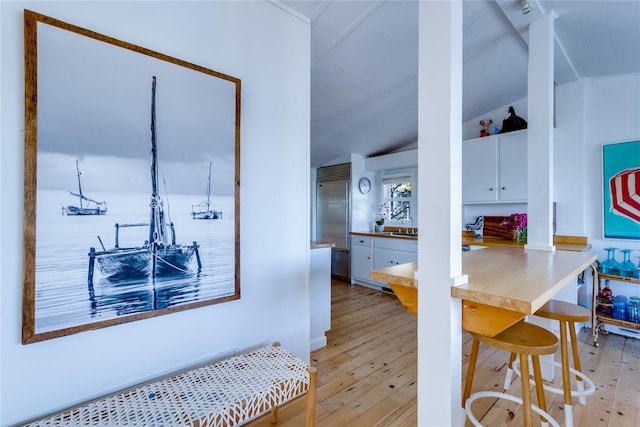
[{"x": 487, "y": 125}]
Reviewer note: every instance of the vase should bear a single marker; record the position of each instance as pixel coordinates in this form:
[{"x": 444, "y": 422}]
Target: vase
[
  {"x": 379, "y": 228},
  {"x": 520, "y": 236}
]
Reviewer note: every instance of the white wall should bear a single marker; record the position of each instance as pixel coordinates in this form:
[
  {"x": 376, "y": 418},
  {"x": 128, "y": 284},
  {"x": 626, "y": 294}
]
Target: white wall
[
  {"x": 268, "y": 49},
  {"x": 591, "y": 113},
  {"x": 362, "y": 205},
  {"x": 570, "y": 170},
  {"x": 611, "y": 111}
]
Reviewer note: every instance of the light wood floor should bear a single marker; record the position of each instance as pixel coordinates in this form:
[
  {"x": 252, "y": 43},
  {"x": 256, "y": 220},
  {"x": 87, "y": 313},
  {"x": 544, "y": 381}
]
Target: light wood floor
[{"x": 367, "y": 373}]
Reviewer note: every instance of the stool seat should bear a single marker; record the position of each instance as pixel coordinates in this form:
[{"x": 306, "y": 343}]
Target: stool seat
[
  {"x": 561, "y": 310},
  {"x": 525, "y": 339},
  {"x": 521, "y": 338}
]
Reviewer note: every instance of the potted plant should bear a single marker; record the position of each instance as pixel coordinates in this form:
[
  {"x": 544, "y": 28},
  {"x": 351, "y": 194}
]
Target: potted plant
[
  {"x": 518, "y": 223},
  {"x": 383, "y": 213}
]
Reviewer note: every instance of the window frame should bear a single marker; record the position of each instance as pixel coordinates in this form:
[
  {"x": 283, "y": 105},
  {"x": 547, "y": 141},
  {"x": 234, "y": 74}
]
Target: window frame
[{"x": 400, "y": 176}]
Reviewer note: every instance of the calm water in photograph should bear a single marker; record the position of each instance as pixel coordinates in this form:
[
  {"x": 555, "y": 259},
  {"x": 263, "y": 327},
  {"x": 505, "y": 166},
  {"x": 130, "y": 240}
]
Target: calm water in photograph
[{"x": 64, "y": 297}]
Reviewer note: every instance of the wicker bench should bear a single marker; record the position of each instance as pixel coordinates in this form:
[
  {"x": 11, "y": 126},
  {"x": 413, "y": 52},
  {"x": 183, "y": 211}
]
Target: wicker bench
[{"x": 226, "y": 393}]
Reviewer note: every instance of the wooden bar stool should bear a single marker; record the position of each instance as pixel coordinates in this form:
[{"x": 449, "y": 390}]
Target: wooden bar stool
[
  {"x": 567, "y": 314},
  {"x": 526, "y": 340}
]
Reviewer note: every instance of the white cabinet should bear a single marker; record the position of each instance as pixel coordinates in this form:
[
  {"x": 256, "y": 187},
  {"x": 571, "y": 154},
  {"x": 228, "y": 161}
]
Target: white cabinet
[
  {"x": 361, "y": 257},
  {"x": 390, "y": 252},
  {"x": 388, "y": 258},
  {"x": 494, "y": 168},
  {"x": 371, "y": 253},
  {"x": 512, "y": 166},
  {"x": 480, "y": 170}
]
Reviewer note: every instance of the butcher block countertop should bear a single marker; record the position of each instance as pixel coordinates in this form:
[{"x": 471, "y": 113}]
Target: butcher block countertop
[
  {"x": 387, "y": 233},
  {"x": 562, "y": 243},
  {"x": 505, "y": 283}
]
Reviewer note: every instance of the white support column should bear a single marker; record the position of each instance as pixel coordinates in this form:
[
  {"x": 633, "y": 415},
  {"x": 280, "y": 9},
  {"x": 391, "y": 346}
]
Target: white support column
[
  {"x": 440, "y": 205},
  {"x": 540, "y": 149},
  {"x": 540, "y": 144}
]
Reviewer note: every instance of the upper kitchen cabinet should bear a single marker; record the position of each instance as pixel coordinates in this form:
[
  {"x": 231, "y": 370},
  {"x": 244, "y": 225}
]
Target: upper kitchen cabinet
[{"x": 494, "y": 168}]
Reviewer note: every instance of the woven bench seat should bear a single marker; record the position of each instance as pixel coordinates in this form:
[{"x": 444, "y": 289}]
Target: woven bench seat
[{"x": 225, "y": 393}]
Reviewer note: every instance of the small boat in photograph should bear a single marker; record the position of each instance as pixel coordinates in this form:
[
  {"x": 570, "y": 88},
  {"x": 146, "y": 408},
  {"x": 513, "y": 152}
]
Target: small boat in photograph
[
  {"x": 204, "y": 210},
  {"x": 86, "y": 206},
  {"x": 159, "y": 256}
]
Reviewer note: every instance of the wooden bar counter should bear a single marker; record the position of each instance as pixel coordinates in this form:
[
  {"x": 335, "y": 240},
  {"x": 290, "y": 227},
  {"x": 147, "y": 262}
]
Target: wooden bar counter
[
  {"x": 562, "y": 243},
  {"x": 505, "y": 284}
]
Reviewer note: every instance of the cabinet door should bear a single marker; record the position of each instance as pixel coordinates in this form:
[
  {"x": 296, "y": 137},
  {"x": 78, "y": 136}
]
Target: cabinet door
[
  {"x": 480, "y": 170},
  {"x": 513, "y": 166},
  {"x": 387, "y": 258},
  {"x": 361, "y": 262}
]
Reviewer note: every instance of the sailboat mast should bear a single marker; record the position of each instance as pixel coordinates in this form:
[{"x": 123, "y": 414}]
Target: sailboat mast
[
  {"x": 79, "y": 184},
  {"x": 154, "y": 167},
  {"x": 154, "y": 150},
  {"x": 209, "y": 186}
]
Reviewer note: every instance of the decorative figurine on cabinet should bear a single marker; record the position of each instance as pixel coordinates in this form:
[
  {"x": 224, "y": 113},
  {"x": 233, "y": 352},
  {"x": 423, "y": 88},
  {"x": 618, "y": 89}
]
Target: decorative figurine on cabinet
[
  {"x": 487, "y": 126},
  {"x": 513, "y": 122}
]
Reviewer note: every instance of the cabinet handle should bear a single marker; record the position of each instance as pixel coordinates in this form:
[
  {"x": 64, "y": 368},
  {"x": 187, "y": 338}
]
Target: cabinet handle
[
  {"x": 361, "y": 241},
  {"x": 504, "y": 188},
  {"x": 490, "y": 188}
]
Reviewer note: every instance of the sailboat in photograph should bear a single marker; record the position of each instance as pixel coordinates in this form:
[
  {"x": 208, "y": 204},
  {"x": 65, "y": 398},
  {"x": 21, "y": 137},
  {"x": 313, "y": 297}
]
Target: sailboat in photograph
[
  {"x": 159, "y": 256},
  {"x": 204, "y": 210},
  {"x": 86, "y": 206}
]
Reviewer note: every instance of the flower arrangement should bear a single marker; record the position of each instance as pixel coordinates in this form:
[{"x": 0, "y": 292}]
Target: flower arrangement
[
  {"x": 383, "y": 213},
  {"x": 517, "y": 222}
]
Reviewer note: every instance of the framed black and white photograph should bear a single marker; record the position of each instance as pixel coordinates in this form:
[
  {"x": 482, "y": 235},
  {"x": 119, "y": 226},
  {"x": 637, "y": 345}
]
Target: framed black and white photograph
[{"x": 132, "y": 166}]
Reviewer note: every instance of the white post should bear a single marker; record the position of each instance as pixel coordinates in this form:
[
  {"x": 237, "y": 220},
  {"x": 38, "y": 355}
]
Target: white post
[
  {"x": 540, "y": 149},
  {"x": 440, "y": 205},
  {"x": 540, "y": 143}
]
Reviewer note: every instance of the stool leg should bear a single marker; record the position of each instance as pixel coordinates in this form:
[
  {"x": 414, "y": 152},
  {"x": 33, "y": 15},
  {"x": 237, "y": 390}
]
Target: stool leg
[
  {"x": 509, "y": 375},
  {"x": 526, "y": 390},
  {"x": 566, "y": 378},
  {"x": 576, "y": 361},
  {"x": 537, "y": 375},
  {"x": 470, "y": 371}
]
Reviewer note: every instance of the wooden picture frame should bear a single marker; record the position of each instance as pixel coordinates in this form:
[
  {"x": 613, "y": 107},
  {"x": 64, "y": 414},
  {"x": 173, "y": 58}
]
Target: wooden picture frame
[
  {"x": 621, "y": 190},
  {"x": 121, "y": 144}
]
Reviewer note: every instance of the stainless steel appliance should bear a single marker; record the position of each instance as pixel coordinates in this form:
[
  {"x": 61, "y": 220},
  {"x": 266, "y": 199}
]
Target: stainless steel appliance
[{"x": 333, "y": 215}]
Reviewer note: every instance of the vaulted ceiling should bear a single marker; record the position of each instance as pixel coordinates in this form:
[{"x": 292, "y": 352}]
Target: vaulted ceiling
[{"x": 364, "y": 62}]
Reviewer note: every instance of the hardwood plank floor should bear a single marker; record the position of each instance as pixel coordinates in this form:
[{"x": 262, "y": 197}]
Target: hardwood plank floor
[{"x": 367, "y": 373}]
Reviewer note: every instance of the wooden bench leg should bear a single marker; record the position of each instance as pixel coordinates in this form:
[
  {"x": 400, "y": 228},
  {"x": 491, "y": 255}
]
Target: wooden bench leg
[
  {"x": 311, "y": 396},
  {"x": 274, "y": 415}
]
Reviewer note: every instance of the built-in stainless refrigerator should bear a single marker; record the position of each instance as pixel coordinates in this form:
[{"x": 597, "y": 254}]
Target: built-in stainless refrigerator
[{"x": 333, "y": 212}]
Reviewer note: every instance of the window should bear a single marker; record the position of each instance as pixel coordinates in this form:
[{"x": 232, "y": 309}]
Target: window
[{"x": 398, "y": 191}]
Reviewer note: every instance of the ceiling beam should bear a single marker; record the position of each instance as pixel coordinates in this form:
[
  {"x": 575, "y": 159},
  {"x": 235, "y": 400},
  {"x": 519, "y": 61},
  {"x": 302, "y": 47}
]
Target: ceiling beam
[
  {"x": 355, "y": 24},
  {"x": 565, "y": 71}
]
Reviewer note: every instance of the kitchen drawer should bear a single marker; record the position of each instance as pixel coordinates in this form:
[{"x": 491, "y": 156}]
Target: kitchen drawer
[
  {"x": 383, "y": 258},
  {"x": 396, "y": 244},
  {"x": 362, "y": 240}
]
